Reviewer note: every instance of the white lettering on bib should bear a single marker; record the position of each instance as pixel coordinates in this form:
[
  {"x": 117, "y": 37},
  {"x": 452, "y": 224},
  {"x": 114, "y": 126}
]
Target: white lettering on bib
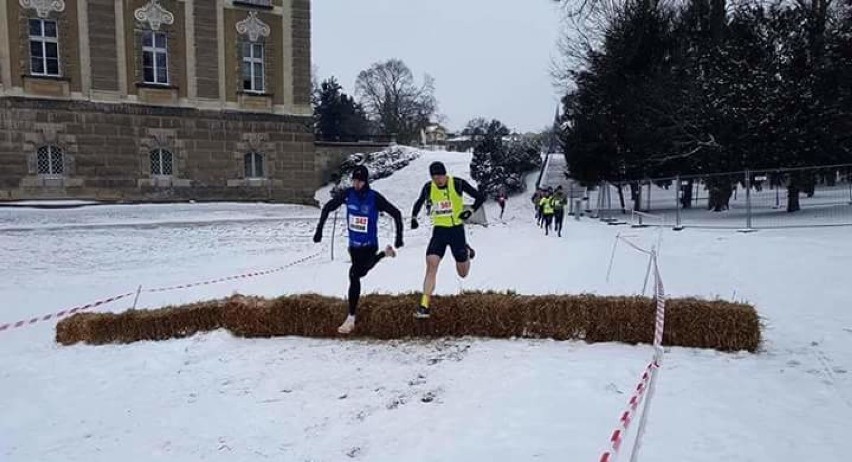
[{"x": 444, "y": 208}]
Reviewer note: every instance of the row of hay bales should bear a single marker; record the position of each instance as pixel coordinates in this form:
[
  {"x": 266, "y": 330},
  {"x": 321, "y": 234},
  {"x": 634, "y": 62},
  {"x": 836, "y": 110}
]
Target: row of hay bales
[{"x": 690, "y": 322}]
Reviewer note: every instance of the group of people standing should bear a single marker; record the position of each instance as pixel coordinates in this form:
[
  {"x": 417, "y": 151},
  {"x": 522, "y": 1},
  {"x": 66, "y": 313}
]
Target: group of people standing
[
  {"x": 443, "y": 199},
  {"x": 550, "y": 209}
]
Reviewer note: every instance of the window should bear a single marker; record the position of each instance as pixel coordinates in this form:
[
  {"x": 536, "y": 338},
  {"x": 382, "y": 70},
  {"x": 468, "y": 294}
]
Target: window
[
  {"x": 50, "y": 161},
  {"x": 253, "y": 67},
  {"x": 155, "y": 58},
  {"x": 161, "y": 162},
  {"x": 44, "y": 48},
  {"x": 254, "y": 165}
]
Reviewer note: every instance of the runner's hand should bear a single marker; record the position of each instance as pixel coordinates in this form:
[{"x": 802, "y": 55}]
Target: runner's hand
[
  {"x": 318, "y": 237},
  {"x": 465, "y": 215},
  {"x": 414, "y": 224}
]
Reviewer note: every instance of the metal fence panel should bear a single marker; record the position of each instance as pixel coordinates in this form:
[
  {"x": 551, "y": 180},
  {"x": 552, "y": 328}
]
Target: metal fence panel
[{"x": 805, "y": 197}]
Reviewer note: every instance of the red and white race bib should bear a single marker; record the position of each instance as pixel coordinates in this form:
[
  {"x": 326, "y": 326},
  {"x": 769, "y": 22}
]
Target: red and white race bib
[
  {"x": 443, "y": 208},
  {"x": 358, "y": 224}
]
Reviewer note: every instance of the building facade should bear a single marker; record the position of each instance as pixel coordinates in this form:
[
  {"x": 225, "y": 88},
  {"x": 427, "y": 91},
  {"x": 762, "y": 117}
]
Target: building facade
[{"x": 137, "y": 100}]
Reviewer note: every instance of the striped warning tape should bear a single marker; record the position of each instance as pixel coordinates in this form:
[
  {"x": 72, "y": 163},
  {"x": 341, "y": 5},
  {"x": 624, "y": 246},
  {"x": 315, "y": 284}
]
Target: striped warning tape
[
  {"x": 62, "y": 313},
  {"x": 68, "y": 312},
  {"x": 628, "y": 415},
  {"x": 660, "y": 322},
  {"x": 645, "y": 388},
  {"x": 239, "y": 276}
]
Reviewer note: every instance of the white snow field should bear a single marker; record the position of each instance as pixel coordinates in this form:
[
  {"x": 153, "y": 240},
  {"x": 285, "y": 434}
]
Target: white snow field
[{"x": 218, "y": 398}]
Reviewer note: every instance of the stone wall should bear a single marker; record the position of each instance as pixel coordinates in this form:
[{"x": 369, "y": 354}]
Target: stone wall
[
  {"x": 107, "y": 148},
  {"x": 103, "y": 45},
  {"x": 302, "y": 52},
  {"x": 207, "y": 52}
]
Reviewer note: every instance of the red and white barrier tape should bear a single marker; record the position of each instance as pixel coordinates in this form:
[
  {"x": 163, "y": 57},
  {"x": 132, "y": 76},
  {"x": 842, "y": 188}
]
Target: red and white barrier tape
[
  {"x": 659, "y": 295},
  {"x": 645, "y": 389},
  {"x": 660, "y": 323},
  {"x": 628, "y": 415},
  {"x": 62, "y": 313},
  {"x": 239, "y": 276}
]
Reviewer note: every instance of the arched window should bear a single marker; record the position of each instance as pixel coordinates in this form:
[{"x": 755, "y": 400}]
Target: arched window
[
  {"x": 50, "y": 160},
  {"x": 161, "y": 162},
  {"x": 253, "y": 165}
]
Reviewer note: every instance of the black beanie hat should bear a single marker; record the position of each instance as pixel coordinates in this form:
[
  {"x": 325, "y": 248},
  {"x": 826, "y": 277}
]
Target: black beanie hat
[
  {"x": 437, "y": 168},
  {"x": 361, "y": 173}
]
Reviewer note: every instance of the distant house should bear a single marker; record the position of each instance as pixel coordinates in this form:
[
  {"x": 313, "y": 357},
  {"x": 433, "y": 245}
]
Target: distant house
[
  {"x": 461, "y": 143},
  {"x": 434, "y": 136},
  {"x": 466, "y": 143}
]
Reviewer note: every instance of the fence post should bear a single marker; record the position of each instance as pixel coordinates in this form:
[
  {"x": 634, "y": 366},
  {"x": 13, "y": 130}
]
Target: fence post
[
  {"x": 606, "y": 205},
  {"x": 333, "y": 233},
  {"x": 849, "y": 180},
  {"x": 648, "y": 200},
  {"x": 748, "y": 199},
  {"x": 599, "y": 201},
  {"x": 678, "y": 188},
  {"x": 777, "y": 192},
  {"x": 136, "y": 299},
  {"x": 577, "y": 205},
  {"x": 569, "y": 198}
]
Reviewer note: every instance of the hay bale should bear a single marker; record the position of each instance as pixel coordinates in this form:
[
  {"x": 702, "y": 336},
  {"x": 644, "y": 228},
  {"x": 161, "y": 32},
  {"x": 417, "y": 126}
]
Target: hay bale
[
  {"x": 137, "y": 325},
  {"x": 689, "y": 322},
  {"x": 714, "y": 324},
  {"x": 304, "y": 315}
]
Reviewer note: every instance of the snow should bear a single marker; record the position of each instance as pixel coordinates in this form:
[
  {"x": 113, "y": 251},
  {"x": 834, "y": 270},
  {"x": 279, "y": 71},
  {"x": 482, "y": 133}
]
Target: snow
[{"x": 216, "y": 397}]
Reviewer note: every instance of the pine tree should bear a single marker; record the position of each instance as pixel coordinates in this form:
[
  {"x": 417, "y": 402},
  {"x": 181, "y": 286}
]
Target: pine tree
[{"x": 337, "y": 117}]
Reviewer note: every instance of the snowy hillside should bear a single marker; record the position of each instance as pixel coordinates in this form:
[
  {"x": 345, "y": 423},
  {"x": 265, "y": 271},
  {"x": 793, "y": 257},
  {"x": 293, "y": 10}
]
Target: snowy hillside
[
  {"x": 215, "y": 397},
  {"x": 403, "y": 187}
]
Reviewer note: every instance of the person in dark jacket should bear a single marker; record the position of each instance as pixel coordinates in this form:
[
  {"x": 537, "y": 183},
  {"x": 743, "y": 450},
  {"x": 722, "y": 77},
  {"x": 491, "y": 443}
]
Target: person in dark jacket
[
  {"x": 444, "y": 198},
  {"x": 558, "y": 200},
  {"x": 363, "y": 205},
  {"x": 501, "y": 201}
]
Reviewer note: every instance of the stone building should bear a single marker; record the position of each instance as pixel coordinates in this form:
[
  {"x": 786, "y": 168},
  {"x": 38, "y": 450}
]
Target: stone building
[{"x": 143, "y": 100}]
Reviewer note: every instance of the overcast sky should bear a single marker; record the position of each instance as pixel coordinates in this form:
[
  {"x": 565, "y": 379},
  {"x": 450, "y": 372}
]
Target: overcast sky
[{"x": 489, "y": 58}]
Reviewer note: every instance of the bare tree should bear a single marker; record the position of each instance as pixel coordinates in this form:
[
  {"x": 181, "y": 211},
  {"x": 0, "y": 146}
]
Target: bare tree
[{"x": 394, "y": 101}]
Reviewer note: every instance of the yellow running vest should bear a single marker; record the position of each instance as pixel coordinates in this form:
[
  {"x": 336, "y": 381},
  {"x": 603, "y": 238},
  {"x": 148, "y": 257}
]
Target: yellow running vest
[
  {"x": 547, "y": 206},
  {"x": 447, "y": 205}
]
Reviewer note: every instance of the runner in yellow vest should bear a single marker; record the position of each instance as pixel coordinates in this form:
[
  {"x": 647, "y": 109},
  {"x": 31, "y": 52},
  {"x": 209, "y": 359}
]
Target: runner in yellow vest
[
  {"x": 547, "y": 211},
  {"x": 446, "y": 208}
]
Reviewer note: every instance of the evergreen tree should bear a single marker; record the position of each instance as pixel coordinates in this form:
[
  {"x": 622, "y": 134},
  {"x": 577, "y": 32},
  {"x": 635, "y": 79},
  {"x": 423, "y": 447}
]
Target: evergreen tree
[
  {"x": 337, "y": 117},
  {"x": 499, "y": 164}
]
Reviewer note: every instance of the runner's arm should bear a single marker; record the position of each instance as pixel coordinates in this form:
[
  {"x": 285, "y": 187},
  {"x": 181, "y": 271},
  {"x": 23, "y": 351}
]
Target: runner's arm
[
  {"x": 330, "y": 206},
  {"x": 385, "y": 206},
  {"x": 424, "y": 194},
  {"x": 478, "y": 198}
]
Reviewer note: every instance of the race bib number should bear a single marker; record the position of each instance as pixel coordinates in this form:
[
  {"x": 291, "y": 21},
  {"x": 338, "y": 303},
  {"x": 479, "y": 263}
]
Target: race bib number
[
  {"x": 443, "y": 208},
  {"x": 358, "y": 224}
]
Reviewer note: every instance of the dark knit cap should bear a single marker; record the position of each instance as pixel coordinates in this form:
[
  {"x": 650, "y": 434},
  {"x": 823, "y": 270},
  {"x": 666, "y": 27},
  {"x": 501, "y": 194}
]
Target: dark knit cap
[
  {"x": 437, "y": 168},
  {"x": 361, "y": 173}
]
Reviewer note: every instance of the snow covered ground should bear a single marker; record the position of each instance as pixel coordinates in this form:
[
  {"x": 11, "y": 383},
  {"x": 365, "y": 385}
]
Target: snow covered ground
[{"x": 214, "y": 397}]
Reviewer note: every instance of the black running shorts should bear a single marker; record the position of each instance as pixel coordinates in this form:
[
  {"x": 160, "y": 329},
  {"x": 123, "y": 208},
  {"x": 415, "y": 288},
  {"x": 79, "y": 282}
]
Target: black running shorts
[{"x": 443, "y": 237}]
